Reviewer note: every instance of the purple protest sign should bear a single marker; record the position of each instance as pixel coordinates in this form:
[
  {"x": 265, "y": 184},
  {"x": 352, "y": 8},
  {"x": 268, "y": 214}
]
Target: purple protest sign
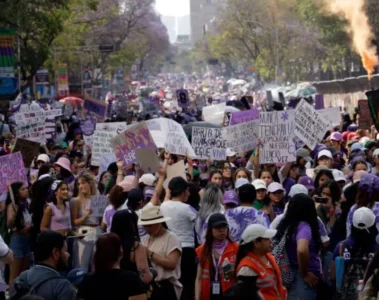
[
  {"x": 125, "y": 144},
  {"x": 183, "y": 98},
  {"x": 12, "y": 170},
  {"x": 97, "y": 107},
  {"x": 244, "y": 116},
  {"x": 319, "y": 102},
  {"x": 87, "y": 125}
]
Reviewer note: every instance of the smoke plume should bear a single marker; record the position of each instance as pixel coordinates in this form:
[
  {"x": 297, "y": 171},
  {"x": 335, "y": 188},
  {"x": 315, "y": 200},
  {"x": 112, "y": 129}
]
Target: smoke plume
[{"x": 354, "y": 11}]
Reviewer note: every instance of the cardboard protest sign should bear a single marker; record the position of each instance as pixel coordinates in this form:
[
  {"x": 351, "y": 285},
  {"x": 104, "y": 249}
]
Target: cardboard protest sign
[
  {"x": 276, "y": 132},
  {"x": 125, "y": 144},
  {"x": 214, "y": 113},
  {"x": 116, "y": 127},
  {"x": 148, "y": 159},
  {"x": 101, "y": 145},
  {"x": 244, "y": 116},
  {"x": 241, "y": 137},
  {"x": 310, "y": 125},
  {"x": 31, "y": 124},
  {"x": 176, "y": 139},
  {"x": 183, "y": 98},
  {"x": 208, "y": 143},
  {"x": 365, "y": 119},
  {"x": 29, "y": 150},
  {"x": 12, "y": 170},
  {"x": 98, "y": 205},
  {"x": 332, "y": 115},
  {"x": 175, "y": 170}
]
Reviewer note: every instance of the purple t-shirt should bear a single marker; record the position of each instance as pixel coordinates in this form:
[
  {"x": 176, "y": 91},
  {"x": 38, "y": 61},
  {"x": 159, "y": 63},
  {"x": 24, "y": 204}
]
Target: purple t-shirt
[
  {"x": 347, "y": 247},
  {"x": 304, "y": 232}
]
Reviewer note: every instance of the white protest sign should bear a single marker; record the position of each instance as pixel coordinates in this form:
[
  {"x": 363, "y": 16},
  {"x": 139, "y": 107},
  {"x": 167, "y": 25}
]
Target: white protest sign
[
  {"x": 98, "y": 205},
  {"x": 208, "y": 143},
  {"x": 214, "y": 113},
  {"x": 241, "y": 137},
  {"x": 157, "y": 132},
  {"x": 53, "y": 113},
  {"x": 101, "y": 145},
  {"x": 105, "y": 161},
  {"x": 332, "y": 115},
  {"x": 116, "y": 127},
  {"x": 176, "y": 140},
  {"x": 310, "y": 125},
  {"x": 276, "y": 132}
]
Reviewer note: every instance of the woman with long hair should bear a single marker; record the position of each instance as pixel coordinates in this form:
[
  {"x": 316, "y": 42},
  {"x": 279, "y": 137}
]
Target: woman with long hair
[
  {"x": 210, "y": 203},
  {"x": 241, "y": 173},
  {"x": 215, "y": 271},
  {"x": 134, "y": 259},
  {"x": 84, "y": 221},
  {"x": 215, "y": 177},
  {"x": 164, "y": 251},
  {"x": 255, "y": 260},
  {"x": 57, "y": 215},
  {"x": 322, "y": 176},
  {"x": 227, "y": 175},
  {"x": 19, "y": 222},
  {"x": 299, "y": 227},
  {"x": 103, "y": 181},
  {"x": 109, "y": 281}
]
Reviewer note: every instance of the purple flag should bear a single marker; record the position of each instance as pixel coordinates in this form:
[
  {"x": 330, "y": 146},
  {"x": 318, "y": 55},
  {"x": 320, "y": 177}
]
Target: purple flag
[
  {"x": 319, "y": 102},
  {"x": 244, "y": 116}
]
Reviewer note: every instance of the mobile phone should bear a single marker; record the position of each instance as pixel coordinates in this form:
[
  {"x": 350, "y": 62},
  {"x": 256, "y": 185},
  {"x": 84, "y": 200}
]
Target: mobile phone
[{"x": 321, "y": 200}]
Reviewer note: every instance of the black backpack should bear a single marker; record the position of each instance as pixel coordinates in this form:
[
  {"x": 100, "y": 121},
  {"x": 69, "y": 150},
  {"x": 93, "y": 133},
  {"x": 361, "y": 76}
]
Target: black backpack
[{"x": 25, "y": 289}]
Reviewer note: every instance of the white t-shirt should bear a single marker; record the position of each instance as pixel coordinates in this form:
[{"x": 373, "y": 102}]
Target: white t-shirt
[{"x": 182, "y": 221}]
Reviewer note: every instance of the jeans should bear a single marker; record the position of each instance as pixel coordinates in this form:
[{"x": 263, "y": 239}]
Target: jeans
[{"x": 300, "y": 290}]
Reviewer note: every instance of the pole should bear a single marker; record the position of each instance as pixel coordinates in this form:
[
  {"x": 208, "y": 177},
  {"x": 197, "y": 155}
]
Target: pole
[{"x": 277, "y": 56}]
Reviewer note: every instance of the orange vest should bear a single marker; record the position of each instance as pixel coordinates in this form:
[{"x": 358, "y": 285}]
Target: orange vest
[
  {"x": 230, "y": 253},
  {"x": 269, "y": 279}
]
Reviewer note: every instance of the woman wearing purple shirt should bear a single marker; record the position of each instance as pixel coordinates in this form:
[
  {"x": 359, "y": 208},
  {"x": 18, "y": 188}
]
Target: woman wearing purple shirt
[{"x": 300, "y": 224}]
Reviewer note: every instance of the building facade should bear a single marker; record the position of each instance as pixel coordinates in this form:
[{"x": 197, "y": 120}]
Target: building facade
[{"x": 202, "y": 12}]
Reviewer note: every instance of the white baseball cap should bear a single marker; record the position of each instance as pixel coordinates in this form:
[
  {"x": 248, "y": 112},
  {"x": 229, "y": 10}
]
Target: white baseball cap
[
  {"x": 230, "y": 152},
  {"x": 376, "y": 152},
  {"x": 363, "y": 218},
  {"x": 254, "y": 231},
  {"x": 297, "y": 189},
  {"x": 274, "y": 187},
  {"x": 147, "y": 179},
  {"x": 259, "y": 184},
  {"x": 240, "y": 182},
  {"x": 43, "y": 157},
  {"x": 338, "y": 175},
  {"x": 326, "y": 153}
]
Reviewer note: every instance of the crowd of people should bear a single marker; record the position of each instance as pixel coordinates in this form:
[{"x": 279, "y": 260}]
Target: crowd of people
[{"x": 233, "y": 229}]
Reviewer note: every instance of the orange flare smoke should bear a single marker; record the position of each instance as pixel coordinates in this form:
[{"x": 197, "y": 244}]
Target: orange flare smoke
[{"x": 369, "y": 64}]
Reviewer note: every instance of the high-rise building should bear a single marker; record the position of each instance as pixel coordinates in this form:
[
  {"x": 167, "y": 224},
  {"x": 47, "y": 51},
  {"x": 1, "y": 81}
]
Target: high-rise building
[{"x": 201, "y": 13}]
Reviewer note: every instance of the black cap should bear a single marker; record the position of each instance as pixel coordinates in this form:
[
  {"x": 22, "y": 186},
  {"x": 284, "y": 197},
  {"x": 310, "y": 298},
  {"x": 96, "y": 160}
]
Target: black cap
[
  {"x": 178, "y": 184},
  {"x": 217, "y": 220}
]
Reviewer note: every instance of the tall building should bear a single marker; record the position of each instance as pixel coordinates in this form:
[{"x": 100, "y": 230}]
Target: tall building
[{"x": 201, "y": 13}]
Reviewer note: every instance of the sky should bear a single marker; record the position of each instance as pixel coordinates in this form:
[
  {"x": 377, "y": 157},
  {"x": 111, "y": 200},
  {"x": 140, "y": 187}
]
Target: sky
[{"x": 172, "y": 7}]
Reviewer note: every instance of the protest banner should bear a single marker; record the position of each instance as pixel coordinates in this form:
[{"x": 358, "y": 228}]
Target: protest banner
[
  {"x": 97, "y": 109},
  {"x": 29, "y": 150},
  {"x": 148, "y": 159},
  {"x": 332, "y": 115},
  {"x": 125, "y": 144},
  {"x": 101, "y": 145},
  {"x": 208, "y": 143},
  {"x": 319, "y": 101},
  {"x": 183, "y": 98},
  {"x": 310, "y": 125},
  {"x": 244, "y": 116},
  {"x": 12, "y": 170},
  {"x": 214, "y": 113},
  {"x": 98, "y": 205},
  {"x": 176, "y": 139},
  {"x": 365, "y": 119},
  {"x": 276, "y": 133},
  {"x": 241, "y": 137}
]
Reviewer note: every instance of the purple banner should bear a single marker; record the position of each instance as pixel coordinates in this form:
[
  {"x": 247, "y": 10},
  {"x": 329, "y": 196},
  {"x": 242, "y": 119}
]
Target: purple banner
[
  {"x": 97, "y": 107},
  {"x": 88, "y": 125},
  {"x": 244, "y": 116},
  {"x": 12, "y": 170},
  {"x": 319, "y": 102},
  {"x": 125, "y": 144}
]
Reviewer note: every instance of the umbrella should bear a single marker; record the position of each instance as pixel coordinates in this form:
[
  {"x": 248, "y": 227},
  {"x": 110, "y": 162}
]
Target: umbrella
[
  {"x": 188, "y": 127},
  {"x": 72, "y": 100}
]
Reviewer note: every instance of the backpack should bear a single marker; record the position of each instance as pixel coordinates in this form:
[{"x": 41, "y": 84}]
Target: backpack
[
  {"x": 25, "y": 289},
  {"x": 279, "y": 251},
  {"x": 355, "y": 268}
]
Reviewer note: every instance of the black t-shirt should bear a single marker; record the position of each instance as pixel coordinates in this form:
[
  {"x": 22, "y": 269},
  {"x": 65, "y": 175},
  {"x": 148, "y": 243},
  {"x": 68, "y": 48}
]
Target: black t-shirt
[{"x": 114, "y": 284}]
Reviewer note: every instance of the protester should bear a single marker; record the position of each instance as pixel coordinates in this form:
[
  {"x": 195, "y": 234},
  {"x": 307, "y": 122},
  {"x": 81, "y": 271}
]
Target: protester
[
  {"x": 6, "y": 258},
  {"x": 51, "y": 257},
  {"x": 109, "y": 281},
  {"x": 165, "y": 253},
  {"x": 215, "y": 270},
  {"x": 254, "y": 260}
]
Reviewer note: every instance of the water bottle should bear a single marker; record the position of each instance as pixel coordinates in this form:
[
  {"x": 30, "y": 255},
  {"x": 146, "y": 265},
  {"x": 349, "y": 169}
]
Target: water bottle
[{"x": 360, "y": 286}]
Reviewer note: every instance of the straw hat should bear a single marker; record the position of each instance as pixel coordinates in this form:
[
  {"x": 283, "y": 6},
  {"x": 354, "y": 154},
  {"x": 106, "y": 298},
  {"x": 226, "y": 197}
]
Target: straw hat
[{"x": 151, "y": 215}]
